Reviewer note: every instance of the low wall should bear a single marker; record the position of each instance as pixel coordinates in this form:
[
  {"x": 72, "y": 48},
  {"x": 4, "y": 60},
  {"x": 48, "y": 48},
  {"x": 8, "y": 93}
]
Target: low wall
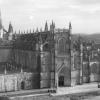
[{"x": 18, "y": 81}]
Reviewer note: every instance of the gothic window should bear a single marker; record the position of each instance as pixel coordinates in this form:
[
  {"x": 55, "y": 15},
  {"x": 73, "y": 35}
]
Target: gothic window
[{"x": 62, "y": 47}]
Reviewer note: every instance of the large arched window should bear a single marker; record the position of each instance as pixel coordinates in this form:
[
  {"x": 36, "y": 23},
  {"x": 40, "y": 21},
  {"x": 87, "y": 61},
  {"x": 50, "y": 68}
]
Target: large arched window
[{"x": 62, "y": 47}]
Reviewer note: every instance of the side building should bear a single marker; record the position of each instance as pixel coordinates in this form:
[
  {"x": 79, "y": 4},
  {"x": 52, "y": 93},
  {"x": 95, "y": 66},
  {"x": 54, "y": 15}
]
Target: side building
[{"x": 86, "y": 62}]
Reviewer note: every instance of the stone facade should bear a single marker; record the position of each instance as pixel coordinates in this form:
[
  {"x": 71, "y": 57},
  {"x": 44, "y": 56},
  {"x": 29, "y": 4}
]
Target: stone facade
[
  {"x": 63, "y": 56},
  {"x": 32, "y": 60},
  {"x": 38, "y": 57}
]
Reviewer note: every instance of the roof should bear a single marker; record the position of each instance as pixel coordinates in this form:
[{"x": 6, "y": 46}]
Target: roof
[
  {"x": 97, "y": 45},
  {"x": 29, "y": 41},
  {"x": 61, "y": 30}
]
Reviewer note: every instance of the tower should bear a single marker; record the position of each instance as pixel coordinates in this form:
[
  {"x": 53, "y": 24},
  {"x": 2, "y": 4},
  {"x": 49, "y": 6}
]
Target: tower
[
  {"x": 52, "y": 27},
  {"x": 62, "y": 56},
  {"x": 46, "y": 27}
]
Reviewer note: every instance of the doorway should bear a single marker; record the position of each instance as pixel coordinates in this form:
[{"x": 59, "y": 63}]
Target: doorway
[
  {"x": 61, "y": 80},
  {"x": 22, "y": 85}
]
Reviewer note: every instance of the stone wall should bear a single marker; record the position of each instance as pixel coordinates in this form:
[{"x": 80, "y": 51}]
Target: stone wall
[
  {"x": 18, "y": 81},
  {"x": 25, "y": 58},
  {"x": 4, "y": 54}
]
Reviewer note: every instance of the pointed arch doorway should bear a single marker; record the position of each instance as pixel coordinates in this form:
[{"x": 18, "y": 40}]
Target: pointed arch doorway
[{"x": 61, "y": 81}]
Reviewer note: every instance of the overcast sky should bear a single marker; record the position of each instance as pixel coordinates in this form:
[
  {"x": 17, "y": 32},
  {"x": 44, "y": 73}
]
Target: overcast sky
[{"x": 29, "y": 14}]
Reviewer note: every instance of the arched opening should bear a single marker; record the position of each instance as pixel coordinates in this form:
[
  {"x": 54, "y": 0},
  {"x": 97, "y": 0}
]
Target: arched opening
[
  {"x": 61, "y": 80},
  {"x": 22, "y": 85}
]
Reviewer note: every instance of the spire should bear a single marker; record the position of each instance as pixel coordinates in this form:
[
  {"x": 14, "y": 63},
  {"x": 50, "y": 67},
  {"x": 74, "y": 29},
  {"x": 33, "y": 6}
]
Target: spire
[
  {"x": 37, "y": 30},
  {"x": 40, "y": 29},
  {"x": 70, "y": 26},
  {"x": 19, "y": 31},
  {"x": 30, "y": 31},
  {"x": 0, "y": 21},
  {"x": 27, "y": 31},
  {"x": 52, "y": 22},
  {"x": 46, "y": 27},
  {"x": 24, "y": 31},
  {"x": 52, "y": 26},
  {"x": 33, "y": 30},
  {"x": 10, "y": 29}
]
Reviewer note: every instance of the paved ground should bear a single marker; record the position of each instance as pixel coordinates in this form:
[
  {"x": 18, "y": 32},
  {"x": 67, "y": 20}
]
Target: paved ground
[
  {"x": 93, "y": 98},
  {"x": 80, "y": 89},
  {"x": 25, "y": 92},
  {"x": 86, "y": 91}
]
